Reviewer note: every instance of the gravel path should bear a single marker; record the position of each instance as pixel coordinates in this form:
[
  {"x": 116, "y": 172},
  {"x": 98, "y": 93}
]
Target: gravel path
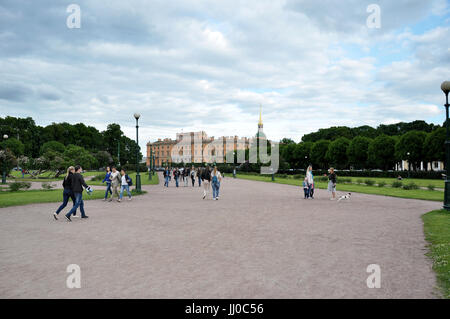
[{"x": 260, "y": 240}]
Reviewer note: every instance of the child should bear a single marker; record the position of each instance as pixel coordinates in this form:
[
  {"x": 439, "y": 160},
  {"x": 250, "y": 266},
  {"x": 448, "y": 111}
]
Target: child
[
  {"x": 126, "y": 182},
  {"x": 306, "y": 188},
  {"x": 311, "y": 191}
]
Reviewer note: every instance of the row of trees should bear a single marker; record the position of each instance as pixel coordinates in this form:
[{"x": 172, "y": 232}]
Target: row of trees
[
  {"x": 362, "y": 152},
  {"x": 59, "y": 145}
]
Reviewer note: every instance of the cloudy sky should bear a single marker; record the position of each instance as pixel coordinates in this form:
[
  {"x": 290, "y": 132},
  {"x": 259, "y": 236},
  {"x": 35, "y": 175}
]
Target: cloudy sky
[{"x": 208, "y": 65}]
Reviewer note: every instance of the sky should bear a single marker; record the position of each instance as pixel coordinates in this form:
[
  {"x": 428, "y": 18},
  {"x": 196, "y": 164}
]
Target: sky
[{"x": 209, "y": 65}]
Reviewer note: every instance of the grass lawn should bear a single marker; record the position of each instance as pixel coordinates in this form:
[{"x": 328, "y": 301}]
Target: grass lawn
[
  {"x": 43, "y": 196},
  {"x": 437, "y": 183},
  {"x": 385, "y": 191},
  {"x": 437, "y": 233},
  {"x": 144, "y": 179}
]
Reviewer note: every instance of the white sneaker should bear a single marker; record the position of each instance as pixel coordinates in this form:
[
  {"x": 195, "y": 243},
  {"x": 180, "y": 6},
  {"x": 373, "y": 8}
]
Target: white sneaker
[{"x": 129, "y": 198}]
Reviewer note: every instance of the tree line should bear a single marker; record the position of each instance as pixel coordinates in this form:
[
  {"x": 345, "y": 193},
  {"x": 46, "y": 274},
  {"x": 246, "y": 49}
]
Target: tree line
[
  {"x": 59, "y": 145},
  {"x": 366, "y": 147}
]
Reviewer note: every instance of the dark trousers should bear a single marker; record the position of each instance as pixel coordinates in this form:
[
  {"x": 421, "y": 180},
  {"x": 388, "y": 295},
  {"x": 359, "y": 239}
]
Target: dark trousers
[
  {"x": 67, "y": 193},
  {"x": 108, "y": 190},
  {"x": 306, "y": 190},
  {"x": 78, "y": 203},
  {"x": 193, "y": 181}
]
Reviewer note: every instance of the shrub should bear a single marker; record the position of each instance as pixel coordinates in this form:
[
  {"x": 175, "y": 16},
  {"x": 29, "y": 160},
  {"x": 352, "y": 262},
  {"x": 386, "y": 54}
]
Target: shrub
[
  {"x": 322, "y": 178},
  {"x": 430, "y": 187},
  {"x": 397, "y": 184},
  {"x": 98, "y": 177},
  {"x": 15, "y": 186},
  {"x": 381, "y": 184},
  {"x": 359, "y": 181},
  {"x": 410, "y": 186},
  {"x": 369, "y": 182},
  {"x": 345, "y": 180},
  {"x": 47, "y": 185}
]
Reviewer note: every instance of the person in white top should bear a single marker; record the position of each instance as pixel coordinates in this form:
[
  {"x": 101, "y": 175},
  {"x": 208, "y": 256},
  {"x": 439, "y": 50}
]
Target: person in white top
[
  {"x": 310, "y": 180},
  {"x": 125, "y": 185},
  {"x": 216, "y": 178},
  {"x": 115, "y": 183}
]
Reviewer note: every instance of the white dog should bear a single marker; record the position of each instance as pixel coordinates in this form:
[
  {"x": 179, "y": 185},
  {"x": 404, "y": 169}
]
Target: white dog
[{"x": 346, "y": 196}]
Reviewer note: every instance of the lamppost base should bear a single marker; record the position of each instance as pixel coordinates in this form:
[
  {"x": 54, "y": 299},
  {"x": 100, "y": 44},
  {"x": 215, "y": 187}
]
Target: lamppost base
[
  {"x": 4, "y": 178},
  {"x": 138, "y": 183}
]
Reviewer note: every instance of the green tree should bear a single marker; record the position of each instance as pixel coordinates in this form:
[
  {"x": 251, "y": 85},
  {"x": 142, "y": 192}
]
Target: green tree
[
  {"x": 411, "y": 143},
  {"x": 14, "y": 145},
  {"x": 318, "y": 152},
  {"x": 357, "y": 152},
  {"x": 52, "y": 146},
  {"x": 336, "y": 154},
  {"x": 103, "y": 158},
  {"x": 434, "y": 145},
  {"x": 302, "y": 154},
  {"x": 381, "y": 152},
  {"x": 7, "y": 160},
  {"x": 77, "y": 155}
]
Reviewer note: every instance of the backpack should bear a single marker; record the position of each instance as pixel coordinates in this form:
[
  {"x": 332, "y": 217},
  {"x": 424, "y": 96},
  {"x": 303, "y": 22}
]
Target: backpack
[{"x": 129, "y": 180}]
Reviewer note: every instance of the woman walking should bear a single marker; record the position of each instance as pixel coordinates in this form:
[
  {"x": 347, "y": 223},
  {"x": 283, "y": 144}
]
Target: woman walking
[
  {"x": 186, "y": 173},
  {"x": 206, "y": 179},
  {"x": 67, "y": 192},
  {"x": 310, "y": 180},
  {"x": 199, "y": 176},
  {"x": 126, "y": 182},
  {"x": 166, "y": 175},
  {"x": 193, "y": 176},
  {"x": 216, "y": 178},
  {"x": 176, "y": 176},
  {"x": 107, "y": 179},
  {"x": 332, "y": 183}
]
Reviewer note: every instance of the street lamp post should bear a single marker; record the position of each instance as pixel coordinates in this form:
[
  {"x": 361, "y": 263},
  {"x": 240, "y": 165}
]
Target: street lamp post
[
  {"x": 409, "y": 163},
  {"x": 138, "y": 176},
  {"x": 445, "y": 87},
  {"x": 153, "y": 165},
  {"x": 150, "y": 167},
  {"x": 234, "y": 165},
  {"x": 5, "y": 137}
]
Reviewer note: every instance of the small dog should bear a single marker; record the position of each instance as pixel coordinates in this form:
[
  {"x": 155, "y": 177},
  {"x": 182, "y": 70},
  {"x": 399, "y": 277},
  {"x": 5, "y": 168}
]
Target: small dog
[{"x": 346, "y": 196}]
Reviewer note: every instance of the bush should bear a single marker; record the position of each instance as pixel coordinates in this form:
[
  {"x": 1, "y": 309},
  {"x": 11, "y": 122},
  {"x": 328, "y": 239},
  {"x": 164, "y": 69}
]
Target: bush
[
  {"x": 410, "y": 186},
  {"x": 47, "y": 185},
  {"x": 98, "y": 177},
  {"x": 359, "y": 181},
  {"x": 397, "y": 184},
  {"x": 369, "y": 182},
  {"x": 15, "y": 186},
  {"x": 345, "y": 180},
  {"x": 381, "y": 184},
  {"x": 322, "y": 178},
  {"x": 430, "y": 187}
]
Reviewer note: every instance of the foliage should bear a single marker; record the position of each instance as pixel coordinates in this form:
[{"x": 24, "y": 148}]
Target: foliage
[
  {"x": 15, "y": 186},
  {"x": 7, "y": 160},
  {"x": 381, "y": 184},
  {"x": 369, "y": 182},
  {"x": 357, "y": 152},
  {"x": 381, "y": 152},
  {"x": 431, "y": 187},
  {"x": 397, "y": 184},
  {"x": 434, "y": 145},
  {"x": 410, "y": 146},
  {"x": 14, "y": 145},
  {"x": 52, "y": 146},
  {"x": 410, "y": 186},
  {"x": 318, "y": 152},
  {"x": 47, "y": 185},
  {"x": 336, "y": 154}
]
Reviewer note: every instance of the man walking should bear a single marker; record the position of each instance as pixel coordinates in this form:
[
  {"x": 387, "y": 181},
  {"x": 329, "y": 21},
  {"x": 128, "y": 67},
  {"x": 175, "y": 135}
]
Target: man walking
[
  {"x": 115, "y": 183},
  {"x": 77, "y": 187}
]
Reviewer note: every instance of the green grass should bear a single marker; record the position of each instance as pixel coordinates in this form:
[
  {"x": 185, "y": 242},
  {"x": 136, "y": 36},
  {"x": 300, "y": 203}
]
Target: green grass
[
  {"x": 354, "y": 188},
  {"x": 437, "y": 233},
  {"x": 43, "y": 196},
  {"x": 144, "y": 179}
]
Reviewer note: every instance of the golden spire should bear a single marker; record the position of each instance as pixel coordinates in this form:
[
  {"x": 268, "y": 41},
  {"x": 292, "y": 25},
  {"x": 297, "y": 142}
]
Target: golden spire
[{"x": 260, "y": 123}]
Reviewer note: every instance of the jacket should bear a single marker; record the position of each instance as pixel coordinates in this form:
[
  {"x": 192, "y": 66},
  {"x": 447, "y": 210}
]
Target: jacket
[
  {"x": 107, "y": 178},
  {"x": 67, "y": 182},
  {"x": 78, "y": 183}
]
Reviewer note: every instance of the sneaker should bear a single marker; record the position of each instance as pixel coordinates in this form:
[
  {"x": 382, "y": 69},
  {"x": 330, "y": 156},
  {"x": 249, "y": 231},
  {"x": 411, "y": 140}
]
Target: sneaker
[
  {"x": 68, "y": 218},
  {"x": 204, "y": 195},
  {"x": 85, "y": 216},
  {"x": 110, "y": 200},
  {"x": 104, "y": 199},
  {"x": 119, "y": 200},
  {"x": 75, "y": 216},
  {"x": 129, "y": 198},
  {"x": 55, "y": 216}
]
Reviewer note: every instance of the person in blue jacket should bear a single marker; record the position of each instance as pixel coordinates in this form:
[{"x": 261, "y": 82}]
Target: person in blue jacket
[{"x": 107, "y": 179}]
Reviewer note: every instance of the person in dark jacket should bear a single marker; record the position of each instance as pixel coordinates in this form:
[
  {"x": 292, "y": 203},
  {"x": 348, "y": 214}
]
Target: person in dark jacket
[
  {"x": 332, "y": 183},
  {"x": 67, "y": 192},
  {"x": 206, "y": 179},
  {"x": 107, "y": 179},
  {"x": 166, "y": 175},
  {"x": 77, "y": 187},
  {"x": 176, "y": 176}
]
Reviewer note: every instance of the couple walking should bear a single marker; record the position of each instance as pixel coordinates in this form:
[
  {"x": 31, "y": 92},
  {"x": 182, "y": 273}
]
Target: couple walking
[
  {"x": 73, "y": 184},
  {"x": 211, "y": 177},
  {"x": 114, "y": 179}
]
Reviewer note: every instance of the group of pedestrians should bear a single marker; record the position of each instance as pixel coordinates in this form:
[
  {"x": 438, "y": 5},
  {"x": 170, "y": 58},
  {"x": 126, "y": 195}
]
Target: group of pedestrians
[
  {"x": 73, "y": 184},
  {"x": 204, "y": 176},
  {"x": 308, "y": 183},
  {"x": 115, "y": 180}
]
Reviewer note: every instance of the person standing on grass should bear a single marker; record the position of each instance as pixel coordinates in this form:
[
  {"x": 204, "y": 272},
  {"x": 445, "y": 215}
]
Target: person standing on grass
[
  {"x": 176, "y": 176},
  {"x": 206, "y": 179},
  {"x": 126, "y": 182},
  {"x": 199, "y": 176},
  {"x": 332, "y": 183},
  {"x": 67, "y": 192},
  {"x": 166, "y": 175},
  {"x": 193, "y": 176},
  {"x": 77, "y": 187},
  {"x": 216, "y": 178},
  {"x": 310, "y": 180},
  {"x": 107, "y": 179},
  {"x": 115, "y": 183}
]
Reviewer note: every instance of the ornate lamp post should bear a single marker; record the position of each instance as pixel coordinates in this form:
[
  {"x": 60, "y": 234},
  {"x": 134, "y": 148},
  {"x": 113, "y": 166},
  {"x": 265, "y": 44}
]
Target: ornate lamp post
[
  {"x": 409, "y": 163},
  {"x": 138, "y": 176},
  {"x": 445, "y": 87},
  {"x": 5, "y": 137}
]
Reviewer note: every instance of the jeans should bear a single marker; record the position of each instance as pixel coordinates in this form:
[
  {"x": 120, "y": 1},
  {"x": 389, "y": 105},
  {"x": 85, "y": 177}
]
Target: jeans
[
  {"x": 193, "y": 181},
  {"x": 166, "y": 182},
  {"x": 176, "y": 181},
  {"x": 127, "y": 188},
  {"x": 215, "y": 189},
  {"x": 306, "y": 190},
  {"x": 78, "y": 203},
  {"x": 67, "y": 193},
  {"x": 199, "y": 182},
  {"x": 108, "y": 190}
]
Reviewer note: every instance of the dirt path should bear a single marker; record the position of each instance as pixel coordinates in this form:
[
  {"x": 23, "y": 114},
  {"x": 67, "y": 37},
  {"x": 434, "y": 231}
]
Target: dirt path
[{"x": 260, "y": 240}]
